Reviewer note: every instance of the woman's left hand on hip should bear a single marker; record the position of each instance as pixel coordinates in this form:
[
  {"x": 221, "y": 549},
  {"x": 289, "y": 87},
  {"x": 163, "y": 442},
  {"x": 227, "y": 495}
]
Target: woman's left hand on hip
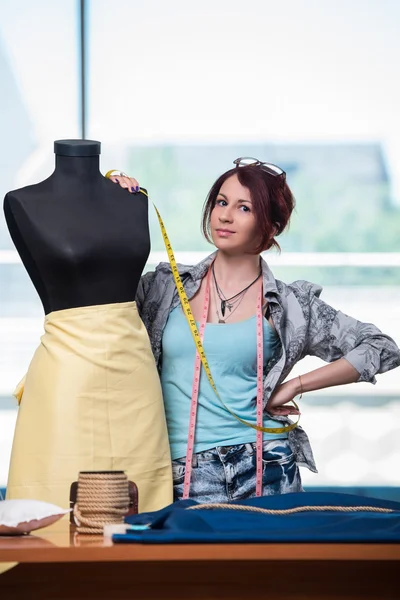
[{"x": 283, "y": 394}]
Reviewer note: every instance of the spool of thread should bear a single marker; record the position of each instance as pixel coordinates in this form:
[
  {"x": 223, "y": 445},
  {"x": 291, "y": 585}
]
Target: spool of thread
[{"x": 102, "y": 499}]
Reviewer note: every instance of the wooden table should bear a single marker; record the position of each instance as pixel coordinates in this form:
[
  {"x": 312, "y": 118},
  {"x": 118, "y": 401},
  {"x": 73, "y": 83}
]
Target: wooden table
[{"x": 58, "y": 564}]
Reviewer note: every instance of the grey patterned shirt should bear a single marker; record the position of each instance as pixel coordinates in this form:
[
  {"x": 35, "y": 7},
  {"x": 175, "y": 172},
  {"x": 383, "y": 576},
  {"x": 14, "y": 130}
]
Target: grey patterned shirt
[{"x": 305, "y": 324}]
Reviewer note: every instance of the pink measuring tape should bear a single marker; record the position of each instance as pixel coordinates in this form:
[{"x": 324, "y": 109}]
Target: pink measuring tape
[{"x": 196, "y": 386}]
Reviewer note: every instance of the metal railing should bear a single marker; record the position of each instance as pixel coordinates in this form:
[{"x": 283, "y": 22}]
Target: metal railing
[{"x": 286, "y": 259}]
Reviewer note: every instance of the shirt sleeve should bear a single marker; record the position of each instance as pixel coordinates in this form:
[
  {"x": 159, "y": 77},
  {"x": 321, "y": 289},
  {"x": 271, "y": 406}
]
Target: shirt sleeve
[
  {"x": 143, "y": 288},
  {"x": 332, "y": 335}
]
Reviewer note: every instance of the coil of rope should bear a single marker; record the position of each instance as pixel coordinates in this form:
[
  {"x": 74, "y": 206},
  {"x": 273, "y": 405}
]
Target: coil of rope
[{"x": 102, "y": 499}]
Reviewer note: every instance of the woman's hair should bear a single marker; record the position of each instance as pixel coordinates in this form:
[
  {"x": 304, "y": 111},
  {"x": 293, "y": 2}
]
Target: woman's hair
[{"x": 272, "y": 200}]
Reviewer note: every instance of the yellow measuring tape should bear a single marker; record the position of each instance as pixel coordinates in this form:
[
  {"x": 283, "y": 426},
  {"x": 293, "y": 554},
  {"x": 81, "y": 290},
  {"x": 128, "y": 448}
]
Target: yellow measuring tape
[{"x": 196, "y": 336}]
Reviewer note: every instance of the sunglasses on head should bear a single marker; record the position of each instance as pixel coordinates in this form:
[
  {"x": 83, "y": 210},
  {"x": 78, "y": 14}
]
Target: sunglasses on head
[{"x": 248, "y": 161}]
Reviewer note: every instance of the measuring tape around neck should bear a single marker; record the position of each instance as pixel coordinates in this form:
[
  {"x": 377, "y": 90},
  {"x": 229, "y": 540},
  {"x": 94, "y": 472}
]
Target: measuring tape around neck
[{"x": 196, "y": 387}]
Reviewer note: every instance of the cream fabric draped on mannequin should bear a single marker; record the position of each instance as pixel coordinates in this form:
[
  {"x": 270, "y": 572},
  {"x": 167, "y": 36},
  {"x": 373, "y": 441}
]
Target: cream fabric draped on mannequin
[{"x": 91, "y": 400}]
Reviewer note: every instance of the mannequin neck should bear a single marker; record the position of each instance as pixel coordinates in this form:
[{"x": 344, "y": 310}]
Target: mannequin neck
[{"x": 77, "y": 167}]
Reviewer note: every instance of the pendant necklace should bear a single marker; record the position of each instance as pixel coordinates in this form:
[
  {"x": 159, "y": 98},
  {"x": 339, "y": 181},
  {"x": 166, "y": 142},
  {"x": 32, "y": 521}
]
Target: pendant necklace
[
  {"x": 226, "y": 303},
  {"x": 238, "y": 302}
]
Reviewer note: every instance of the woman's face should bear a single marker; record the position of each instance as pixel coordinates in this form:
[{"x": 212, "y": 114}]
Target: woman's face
[{"x": 232, "y": 222}]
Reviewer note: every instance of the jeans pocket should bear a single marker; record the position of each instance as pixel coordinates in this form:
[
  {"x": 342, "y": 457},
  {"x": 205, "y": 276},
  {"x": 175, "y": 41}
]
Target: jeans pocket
[
  {"x": 178, "y": 471},
  {"x": 280, "y": 470},
  {"x": 277, "y": 452}
]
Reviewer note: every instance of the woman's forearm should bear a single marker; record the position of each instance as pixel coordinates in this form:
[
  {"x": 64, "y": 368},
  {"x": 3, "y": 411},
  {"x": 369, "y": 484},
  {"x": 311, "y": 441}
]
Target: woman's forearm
[{"x": 338, "y": 372}]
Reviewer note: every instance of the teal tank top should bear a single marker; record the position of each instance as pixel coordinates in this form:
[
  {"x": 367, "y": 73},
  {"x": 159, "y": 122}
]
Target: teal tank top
[{"x": 231, "y": 354}]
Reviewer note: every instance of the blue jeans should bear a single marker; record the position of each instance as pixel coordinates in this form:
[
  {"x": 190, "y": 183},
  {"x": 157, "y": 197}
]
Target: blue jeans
[{"x": 228, "y": 473}]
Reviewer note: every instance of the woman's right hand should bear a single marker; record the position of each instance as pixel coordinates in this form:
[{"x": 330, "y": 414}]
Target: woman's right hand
[{"x": 131, "y": 184}]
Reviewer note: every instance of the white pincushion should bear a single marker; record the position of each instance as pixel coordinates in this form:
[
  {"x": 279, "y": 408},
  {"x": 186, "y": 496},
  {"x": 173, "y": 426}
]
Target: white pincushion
[{"x": 22, "y": 516}]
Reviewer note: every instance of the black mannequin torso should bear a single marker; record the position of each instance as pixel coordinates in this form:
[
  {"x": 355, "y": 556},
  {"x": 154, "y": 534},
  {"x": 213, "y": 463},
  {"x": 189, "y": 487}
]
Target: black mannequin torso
[{"x": 82, "y": 239}]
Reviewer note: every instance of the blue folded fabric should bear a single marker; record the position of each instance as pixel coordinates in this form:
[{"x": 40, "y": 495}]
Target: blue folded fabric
[{"x": 175, "y": 524}]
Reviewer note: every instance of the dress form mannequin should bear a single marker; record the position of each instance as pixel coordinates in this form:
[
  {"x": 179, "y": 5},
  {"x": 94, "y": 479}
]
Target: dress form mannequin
[
  {"x": 82, "y": 239},
  {"x": 91, "y": 399}
]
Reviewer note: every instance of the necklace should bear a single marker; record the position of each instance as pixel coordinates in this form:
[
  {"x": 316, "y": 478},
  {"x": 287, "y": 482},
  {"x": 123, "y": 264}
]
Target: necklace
[
  {"x": 227, "y": 302},
  {"x": 238, "y": 301}
]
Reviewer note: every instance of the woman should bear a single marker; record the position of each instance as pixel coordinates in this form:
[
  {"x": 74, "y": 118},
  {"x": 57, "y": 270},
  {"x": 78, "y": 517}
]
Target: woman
[{"x": 246, "y": 209}]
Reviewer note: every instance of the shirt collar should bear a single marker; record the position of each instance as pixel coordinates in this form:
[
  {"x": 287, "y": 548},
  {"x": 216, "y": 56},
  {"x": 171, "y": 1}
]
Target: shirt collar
[{"x": 197, "y": 272}]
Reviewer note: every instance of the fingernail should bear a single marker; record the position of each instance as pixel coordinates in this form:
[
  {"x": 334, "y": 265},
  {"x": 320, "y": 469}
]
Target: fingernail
[
  {"x": 115, "y": 180},
  {"x": 137, "y": 188},
  {"x": 132, "y": 189}
]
